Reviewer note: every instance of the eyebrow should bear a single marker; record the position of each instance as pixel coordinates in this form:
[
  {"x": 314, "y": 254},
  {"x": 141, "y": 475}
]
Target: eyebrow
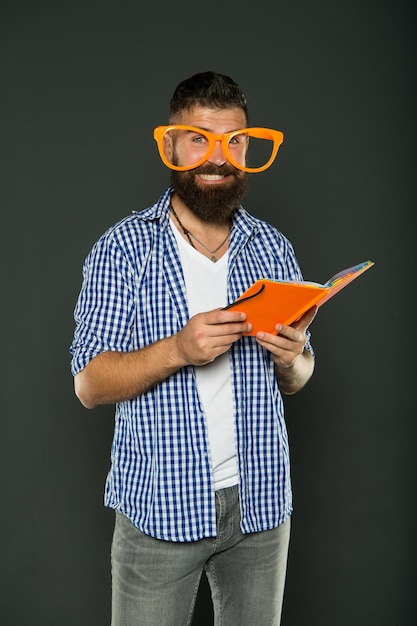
[{"x": 209, "y": 130}]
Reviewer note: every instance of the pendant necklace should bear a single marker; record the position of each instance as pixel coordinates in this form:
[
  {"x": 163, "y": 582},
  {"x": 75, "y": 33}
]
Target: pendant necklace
[{"x": 190, "y": 238}]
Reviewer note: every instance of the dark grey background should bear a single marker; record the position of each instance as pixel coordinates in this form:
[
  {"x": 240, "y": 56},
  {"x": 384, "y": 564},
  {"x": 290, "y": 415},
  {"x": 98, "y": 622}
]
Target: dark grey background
[{"x": 82, "y": 86}]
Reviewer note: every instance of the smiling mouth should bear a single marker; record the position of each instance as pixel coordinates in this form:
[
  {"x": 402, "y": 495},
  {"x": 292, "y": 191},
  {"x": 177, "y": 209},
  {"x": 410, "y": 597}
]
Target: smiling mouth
[{"x": 212, "y": 176}]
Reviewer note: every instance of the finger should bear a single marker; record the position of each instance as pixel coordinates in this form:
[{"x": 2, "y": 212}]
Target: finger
[
  {"x": 221, "y": 323},
  {"x": 305, "y": 320},
  {"x": 297, "y": 330},
  {"x": 232, "y": 331},
  {"x": 281, "y": 342},
  {"x": 220, "y": 316}
]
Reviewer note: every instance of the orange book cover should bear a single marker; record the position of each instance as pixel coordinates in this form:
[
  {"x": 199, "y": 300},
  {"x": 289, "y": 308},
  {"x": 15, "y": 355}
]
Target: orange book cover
[{"x": 270, "y": 302}]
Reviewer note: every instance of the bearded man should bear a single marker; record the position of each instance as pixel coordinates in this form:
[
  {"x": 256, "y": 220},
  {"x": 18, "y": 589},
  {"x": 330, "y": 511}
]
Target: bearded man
[{"x": 200, "y": 476}]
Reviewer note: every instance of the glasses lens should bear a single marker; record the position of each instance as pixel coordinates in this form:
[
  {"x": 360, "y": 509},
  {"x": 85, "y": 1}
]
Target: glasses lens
[
  {"x": 185, "y": 147},
  {"x": 259, "y": 151}
]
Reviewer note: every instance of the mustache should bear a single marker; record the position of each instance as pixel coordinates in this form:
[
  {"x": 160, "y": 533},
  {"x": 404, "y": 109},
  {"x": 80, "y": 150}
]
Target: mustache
[{"x": 222, "y": 170}]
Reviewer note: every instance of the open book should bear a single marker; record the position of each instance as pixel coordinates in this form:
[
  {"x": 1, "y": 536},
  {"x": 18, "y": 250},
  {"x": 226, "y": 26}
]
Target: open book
[{"x": 270, "y": 302}]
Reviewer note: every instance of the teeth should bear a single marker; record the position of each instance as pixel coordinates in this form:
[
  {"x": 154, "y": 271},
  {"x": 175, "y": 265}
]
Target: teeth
[{"x": 211, "y": 176}]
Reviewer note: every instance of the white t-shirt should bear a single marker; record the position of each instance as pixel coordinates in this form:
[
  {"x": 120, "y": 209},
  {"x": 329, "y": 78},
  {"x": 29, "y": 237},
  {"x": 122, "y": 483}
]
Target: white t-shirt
[{"x": 206, "y": 284}]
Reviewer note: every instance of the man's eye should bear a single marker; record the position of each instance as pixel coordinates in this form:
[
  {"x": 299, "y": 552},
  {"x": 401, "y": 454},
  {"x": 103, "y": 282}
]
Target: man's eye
[
  {"x": 199, "y": 139},
  {"x": 237, "y": 140}
]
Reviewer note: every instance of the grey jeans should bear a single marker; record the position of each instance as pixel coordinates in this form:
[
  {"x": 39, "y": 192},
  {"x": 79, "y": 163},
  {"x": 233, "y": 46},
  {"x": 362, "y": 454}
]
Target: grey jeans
[{"x": 155, "y": 583}]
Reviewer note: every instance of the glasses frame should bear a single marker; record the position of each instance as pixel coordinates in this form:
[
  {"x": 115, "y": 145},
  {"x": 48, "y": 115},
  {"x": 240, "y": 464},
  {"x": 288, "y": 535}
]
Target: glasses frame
[{"x": 260, "y": 133}]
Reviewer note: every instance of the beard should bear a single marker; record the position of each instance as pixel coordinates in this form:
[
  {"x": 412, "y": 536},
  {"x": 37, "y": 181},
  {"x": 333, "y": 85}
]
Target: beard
[{"x": 212, "y": 203}]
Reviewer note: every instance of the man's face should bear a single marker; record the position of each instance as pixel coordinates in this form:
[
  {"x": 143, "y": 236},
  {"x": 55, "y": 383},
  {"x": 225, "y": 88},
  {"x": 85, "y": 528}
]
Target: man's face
[{"x": 214, "y": 189}]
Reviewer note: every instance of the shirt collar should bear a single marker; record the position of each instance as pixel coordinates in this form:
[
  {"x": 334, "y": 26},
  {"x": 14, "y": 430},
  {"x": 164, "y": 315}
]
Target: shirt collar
[{"x": 158, "y": 211}]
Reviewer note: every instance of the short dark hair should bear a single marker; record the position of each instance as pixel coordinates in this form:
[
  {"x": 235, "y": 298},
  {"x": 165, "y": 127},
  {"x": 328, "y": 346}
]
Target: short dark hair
[{"x": 207, "y": 89}]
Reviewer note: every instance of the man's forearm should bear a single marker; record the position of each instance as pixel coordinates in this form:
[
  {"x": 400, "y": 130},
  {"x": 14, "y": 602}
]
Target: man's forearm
[
  {"x": 115, "y": 377},
  {"x": 112, "y": 377},
  {"x": 292, "y": 379}
]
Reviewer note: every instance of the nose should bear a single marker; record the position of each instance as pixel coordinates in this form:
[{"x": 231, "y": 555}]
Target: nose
[{"x": 217, "y": 157}]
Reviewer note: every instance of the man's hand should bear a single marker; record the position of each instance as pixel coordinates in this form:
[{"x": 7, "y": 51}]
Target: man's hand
[
  {"x": 208, "y": 335},
  {"x": 293, "y": 364},
  {"x": 118, "y": 376}
]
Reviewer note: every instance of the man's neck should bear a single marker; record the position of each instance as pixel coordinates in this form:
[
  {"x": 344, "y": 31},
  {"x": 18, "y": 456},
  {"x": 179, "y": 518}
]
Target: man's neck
[{"x": 205, "y": 236}]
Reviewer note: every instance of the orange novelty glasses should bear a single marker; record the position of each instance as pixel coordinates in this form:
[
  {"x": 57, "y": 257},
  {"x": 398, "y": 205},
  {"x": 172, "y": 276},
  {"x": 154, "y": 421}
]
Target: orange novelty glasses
[{"x": 196, "y": 145}]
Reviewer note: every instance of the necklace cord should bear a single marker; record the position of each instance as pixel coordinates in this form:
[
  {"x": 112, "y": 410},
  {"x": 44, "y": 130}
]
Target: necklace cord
[{"x": 190, "y": 236}]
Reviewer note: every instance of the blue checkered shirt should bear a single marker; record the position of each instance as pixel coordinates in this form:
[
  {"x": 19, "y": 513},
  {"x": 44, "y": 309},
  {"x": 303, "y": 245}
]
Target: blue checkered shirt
[{"x": 134, "y": 294}]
